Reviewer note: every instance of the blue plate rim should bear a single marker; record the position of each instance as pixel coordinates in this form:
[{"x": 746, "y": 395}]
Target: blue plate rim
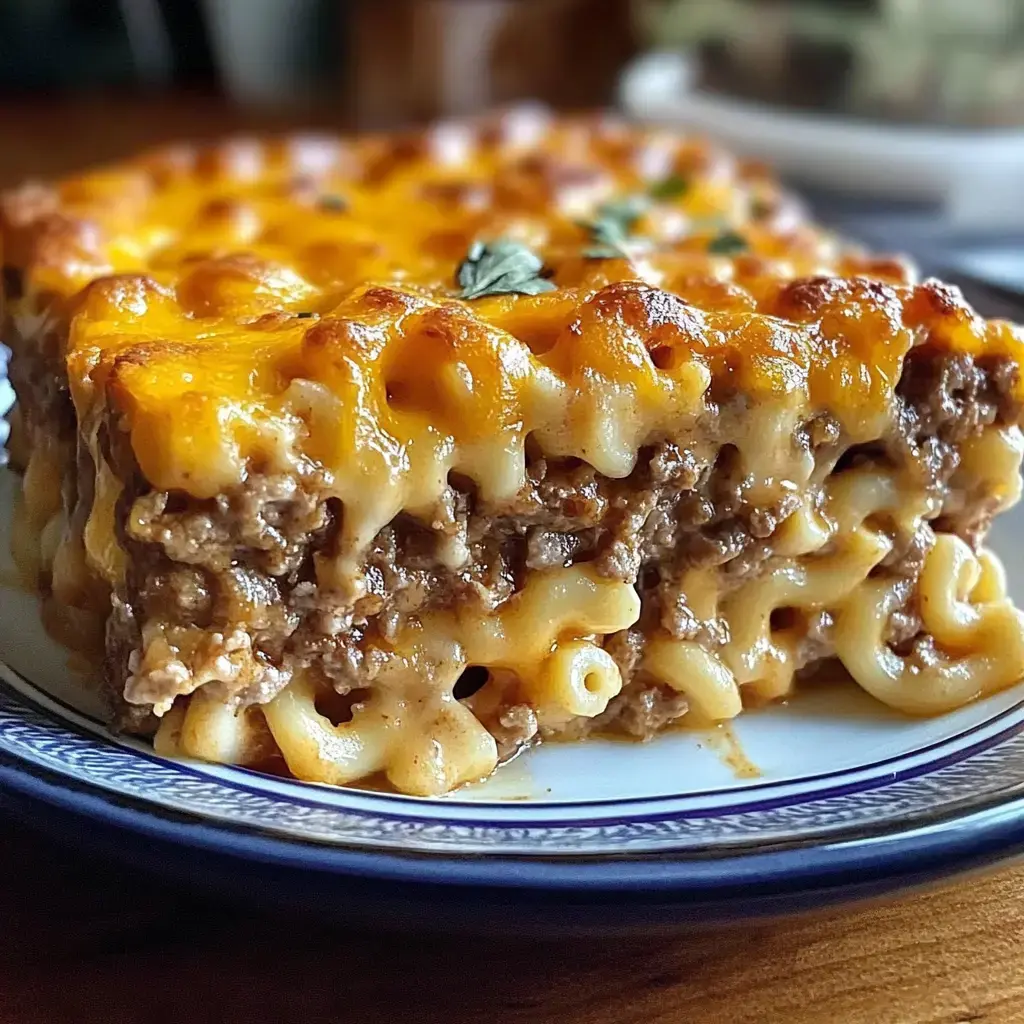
[
  {"x": 991, "y": 818},
  {"x": 36, "y": 699},
  {"x": 984, "y": 836},
  {"x": 96, "y": 727}
]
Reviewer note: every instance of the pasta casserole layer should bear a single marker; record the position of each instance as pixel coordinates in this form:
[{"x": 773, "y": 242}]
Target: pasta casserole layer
[{"x": 396, "y": 455}]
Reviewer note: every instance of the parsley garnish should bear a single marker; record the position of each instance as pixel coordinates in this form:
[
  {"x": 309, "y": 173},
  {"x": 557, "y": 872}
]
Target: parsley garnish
[
  {"x": 332, "y": 202},
  {"x": 625, "y": 211},
  {"x": 304, "y": 315},
  {"x": 727, "y": 243},
  {"x": 671, "y": 187},
  {"x": 501, "y": 267},
  {"x": 611, "y": 228}
]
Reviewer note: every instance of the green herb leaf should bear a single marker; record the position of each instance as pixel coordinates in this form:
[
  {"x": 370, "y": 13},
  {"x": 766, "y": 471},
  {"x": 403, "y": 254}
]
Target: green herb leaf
[
  {"x": 334, "y": 203},
  {"x": 501, "y": 267},
  {"x": 672, "y": 187},
  {"x": 625, "y": 211},
  {"x": 606, "y": 252},
  {"x": 304, "y": 315},
  {"x": 611, "y": 228},
  {"x": 727, "y": 243},
  {"x": 612, "y": 241}
]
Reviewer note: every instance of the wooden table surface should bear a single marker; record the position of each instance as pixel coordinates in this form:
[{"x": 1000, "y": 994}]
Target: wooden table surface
[{"x": 82, "y": 941}]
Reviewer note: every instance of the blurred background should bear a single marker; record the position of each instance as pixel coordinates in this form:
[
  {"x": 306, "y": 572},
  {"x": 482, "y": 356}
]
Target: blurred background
[{"x": 901, "y": 118}]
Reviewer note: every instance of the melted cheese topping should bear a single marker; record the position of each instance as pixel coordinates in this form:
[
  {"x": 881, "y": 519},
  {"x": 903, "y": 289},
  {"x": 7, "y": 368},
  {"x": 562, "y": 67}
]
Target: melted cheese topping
[{"x": 292, "y": 306}]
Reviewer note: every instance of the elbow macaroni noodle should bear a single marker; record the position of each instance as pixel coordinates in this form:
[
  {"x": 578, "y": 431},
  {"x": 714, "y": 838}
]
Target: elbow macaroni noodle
[{"x": 964, "y": 607}]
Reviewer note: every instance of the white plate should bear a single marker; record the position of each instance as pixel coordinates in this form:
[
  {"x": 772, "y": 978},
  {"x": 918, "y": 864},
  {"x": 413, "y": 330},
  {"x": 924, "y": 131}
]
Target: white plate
[{"x": 795, "y": 796}]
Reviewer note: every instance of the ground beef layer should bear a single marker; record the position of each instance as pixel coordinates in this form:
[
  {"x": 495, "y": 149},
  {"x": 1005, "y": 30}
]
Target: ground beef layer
[{"x": 246, "y": 560}]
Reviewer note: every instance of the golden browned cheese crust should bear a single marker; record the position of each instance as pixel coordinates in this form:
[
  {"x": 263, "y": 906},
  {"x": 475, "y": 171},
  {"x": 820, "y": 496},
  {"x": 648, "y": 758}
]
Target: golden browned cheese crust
[{"x": 203, "y": 328}]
